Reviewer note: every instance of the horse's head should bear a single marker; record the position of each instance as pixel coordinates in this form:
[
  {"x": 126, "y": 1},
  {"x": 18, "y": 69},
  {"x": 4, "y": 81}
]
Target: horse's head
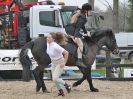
[
  {"x": 110, "y": 42},
  {"x": 107, "y": 38}
]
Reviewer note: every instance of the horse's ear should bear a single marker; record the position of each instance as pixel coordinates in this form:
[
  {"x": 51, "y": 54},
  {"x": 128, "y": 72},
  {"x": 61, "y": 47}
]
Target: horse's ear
[{"x": 110, "y": 33}]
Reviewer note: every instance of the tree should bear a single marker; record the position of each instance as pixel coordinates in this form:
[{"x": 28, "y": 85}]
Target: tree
[
  {"x": 116, "y": 16},
  {"x": 92, "y": 3},
  {"x": 123, "y": 14},
  {"x": 108, "y": 15},
  {"x": 130, "y": 18}
]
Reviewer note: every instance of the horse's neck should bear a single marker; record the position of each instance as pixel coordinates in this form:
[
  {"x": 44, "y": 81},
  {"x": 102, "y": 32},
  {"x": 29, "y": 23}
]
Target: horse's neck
[
  {"x": 94, "y": 46},
  {"x": 102, "y": 42},
  {"x": 91, "y": 53},
  {"x": 93, "y": 49}
]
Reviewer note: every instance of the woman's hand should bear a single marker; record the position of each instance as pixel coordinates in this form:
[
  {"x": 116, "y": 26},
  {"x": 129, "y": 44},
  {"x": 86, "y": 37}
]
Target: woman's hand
[{"x": 62, "y": 65}]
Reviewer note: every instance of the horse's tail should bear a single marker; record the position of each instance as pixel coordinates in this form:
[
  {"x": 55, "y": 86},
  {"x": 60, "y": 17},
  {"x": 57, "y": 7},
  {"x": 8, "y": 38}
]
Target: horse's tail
[{"x": 25, "y": 61}]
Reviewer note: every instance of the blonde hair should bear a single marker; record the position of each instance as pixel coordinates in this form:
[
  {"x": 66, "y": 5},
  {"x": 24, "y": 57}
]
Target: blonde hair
[{"x": 74, "y": 18}]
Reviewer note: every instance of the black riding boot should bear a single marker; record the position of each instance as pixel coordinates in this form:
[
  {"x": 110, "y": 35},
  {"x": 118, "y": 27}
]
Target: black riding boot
[
  {"x": 68, "y": 87},
  {"x": 80, "y": 63},
  {"x": 61, "y": 93}
]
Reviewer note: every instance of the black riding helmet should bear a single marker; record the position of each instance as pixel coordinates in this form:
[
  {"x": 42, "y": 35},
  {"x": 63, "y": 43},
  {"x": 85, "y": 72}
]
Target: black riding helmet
[{"x": 86, "y": 7}]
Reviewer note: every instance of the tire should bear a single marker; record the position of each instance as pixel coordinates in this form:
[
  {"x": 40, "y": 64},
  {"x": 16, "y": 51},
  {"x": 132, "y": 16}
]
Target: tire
[{"x": 131, "y": 57}]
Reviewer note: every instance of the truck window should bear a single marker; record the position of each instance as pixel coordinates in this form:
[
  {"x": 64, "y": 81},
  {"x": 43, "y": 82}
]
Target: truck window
[
  {"x": 66, "y": 16},
  {"x": 47, "y": 18}
]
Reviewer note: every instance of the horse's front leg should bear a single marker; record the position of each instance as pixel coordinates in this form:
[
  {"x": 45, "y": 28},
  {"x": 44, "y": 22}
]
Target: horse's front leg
[
  {"x": 80, "y": 80},
  {"x": 89, "y": 79}
]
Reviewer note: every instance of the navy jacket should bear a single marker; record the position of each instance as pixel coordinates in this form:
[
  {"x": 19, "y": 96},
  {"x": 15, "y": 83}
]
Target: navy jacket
[{"x": 80, "y": 24}]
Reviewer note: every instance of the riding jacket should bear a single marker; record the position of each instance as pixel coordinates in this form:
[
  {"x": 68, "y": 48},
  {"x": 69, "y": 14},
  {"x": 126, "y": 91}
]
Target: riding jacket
[{"x": 80, "y": 24}]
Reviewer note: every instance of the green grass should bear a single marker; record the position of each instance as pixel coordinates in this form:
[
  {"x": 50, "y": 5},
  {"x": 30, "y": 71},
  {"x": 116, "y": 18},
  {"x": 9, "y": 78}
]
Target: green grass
[{"x": 101, "y": 71}]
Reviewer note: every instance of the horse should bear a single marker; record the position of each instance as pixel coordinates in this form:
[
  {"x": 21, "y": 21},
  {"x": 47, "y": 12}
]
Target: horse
[{"x": 38, "y": 49}]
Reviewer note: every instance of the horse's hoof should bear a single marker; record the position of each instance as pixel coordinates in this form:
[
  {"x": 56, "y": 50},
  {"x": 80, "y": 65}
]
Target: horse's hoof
[
  {"x": 94, "y": 90},
  {"x": 68, "y": 88},
  {"x": 38, "y": 89},
  {"x": 75, "y": 85}
]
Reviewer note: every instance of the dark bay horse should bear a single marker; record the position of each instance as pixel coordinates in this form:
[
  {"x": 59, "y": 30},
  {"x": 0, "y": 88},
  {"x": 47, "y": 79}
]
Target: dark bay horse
[{"x": 38, "y": 48}]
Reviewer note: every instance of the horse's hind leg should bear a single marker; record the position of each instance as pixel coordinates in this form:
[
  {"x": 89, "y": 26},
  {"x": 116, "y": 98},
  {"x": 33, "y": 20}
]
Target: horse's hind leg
[
  {"x": 87, "y": 72},
  {"x": 36, "y": 73},
  {"x": 80, "y": 80},
  {"x": 44, "y": 89}
]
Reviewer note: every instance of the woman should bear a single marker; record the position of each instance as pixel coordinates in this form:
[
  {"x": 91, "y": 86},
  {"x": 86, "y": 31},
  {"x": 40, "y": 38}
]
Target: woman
[{"x": 59, "y": 58}]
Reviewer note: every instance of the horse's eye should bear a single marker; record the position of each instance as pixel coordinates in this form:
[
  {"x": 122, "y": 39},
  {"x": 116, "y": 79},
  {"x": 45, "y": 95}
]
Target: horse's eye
[{"x": 113, "y": 40}]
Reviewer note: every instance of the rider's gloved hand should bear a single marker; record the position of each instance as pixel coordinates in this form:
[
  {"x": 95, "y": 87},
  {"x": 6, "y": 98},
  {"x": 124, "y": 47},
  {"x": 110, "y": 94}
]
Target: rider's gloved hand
[
  {"x": 85, "y": 34},
  {"x": 88, "y": 33}
]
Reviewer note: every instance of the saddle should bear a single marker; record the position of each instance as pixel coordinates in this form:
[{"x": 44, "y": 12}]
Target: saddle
[{"x": 72, "y": 47}]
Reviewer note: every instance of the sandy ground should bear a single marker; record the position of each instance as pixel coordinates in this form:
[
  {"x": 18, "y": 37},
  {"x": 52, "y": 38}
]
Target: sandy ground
[{"x": 26, "y": 90}]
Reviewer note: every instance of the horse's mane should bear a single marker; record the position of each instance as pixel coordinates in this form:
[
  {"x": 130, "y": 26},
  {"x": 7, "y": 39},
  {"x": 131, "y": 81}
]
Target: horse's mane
[{"x": 98, "y": 35}]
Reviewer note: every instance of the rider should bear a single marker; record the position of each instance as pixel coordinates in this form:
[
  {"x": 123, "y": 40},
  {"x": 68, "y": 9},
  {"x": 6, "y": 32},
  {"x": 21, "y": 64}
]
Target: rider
[
  {"x": 59, "y": 58},
  {"x": 79, "y": 20}
]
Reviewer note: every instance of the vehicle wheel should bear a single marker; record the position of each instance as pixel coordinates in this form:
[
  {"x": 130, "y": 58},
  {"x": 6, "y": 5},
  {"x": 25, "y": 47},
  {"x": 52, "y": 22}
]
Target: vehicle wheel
[{"x": 131, "y": 57}]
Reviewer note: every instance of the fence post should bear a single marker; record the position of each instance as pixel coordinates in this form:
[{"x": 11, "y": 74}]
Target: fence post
[
  {"x": 108, "y": 62},
  {"x": 122, "y": 62}
]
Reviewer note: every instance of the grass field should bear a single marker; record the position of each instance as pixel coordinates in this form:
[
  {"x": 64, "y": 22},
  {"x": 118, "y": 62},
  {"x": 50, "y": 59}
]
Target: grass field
[{"x": 101, "y": 71}]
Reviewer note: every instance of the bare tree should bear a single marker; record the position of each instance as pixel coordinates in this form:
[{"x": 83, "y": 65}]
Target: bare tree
[
  {"x": 123, "y": 13},
  {"x": 116, "y": 16},
  {"x": 92, "y": 3},
  {"x": 108, "y": 5},
  {"x": 130, "y": 17}
]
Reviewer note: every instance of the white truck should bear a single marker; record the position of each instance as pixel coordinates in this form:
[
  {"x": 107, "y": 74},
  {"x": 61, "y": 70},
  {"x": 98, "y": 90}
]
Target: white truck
[
  {"x": 125, "y": 40},
  {"x": 49, "y": 18}
]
